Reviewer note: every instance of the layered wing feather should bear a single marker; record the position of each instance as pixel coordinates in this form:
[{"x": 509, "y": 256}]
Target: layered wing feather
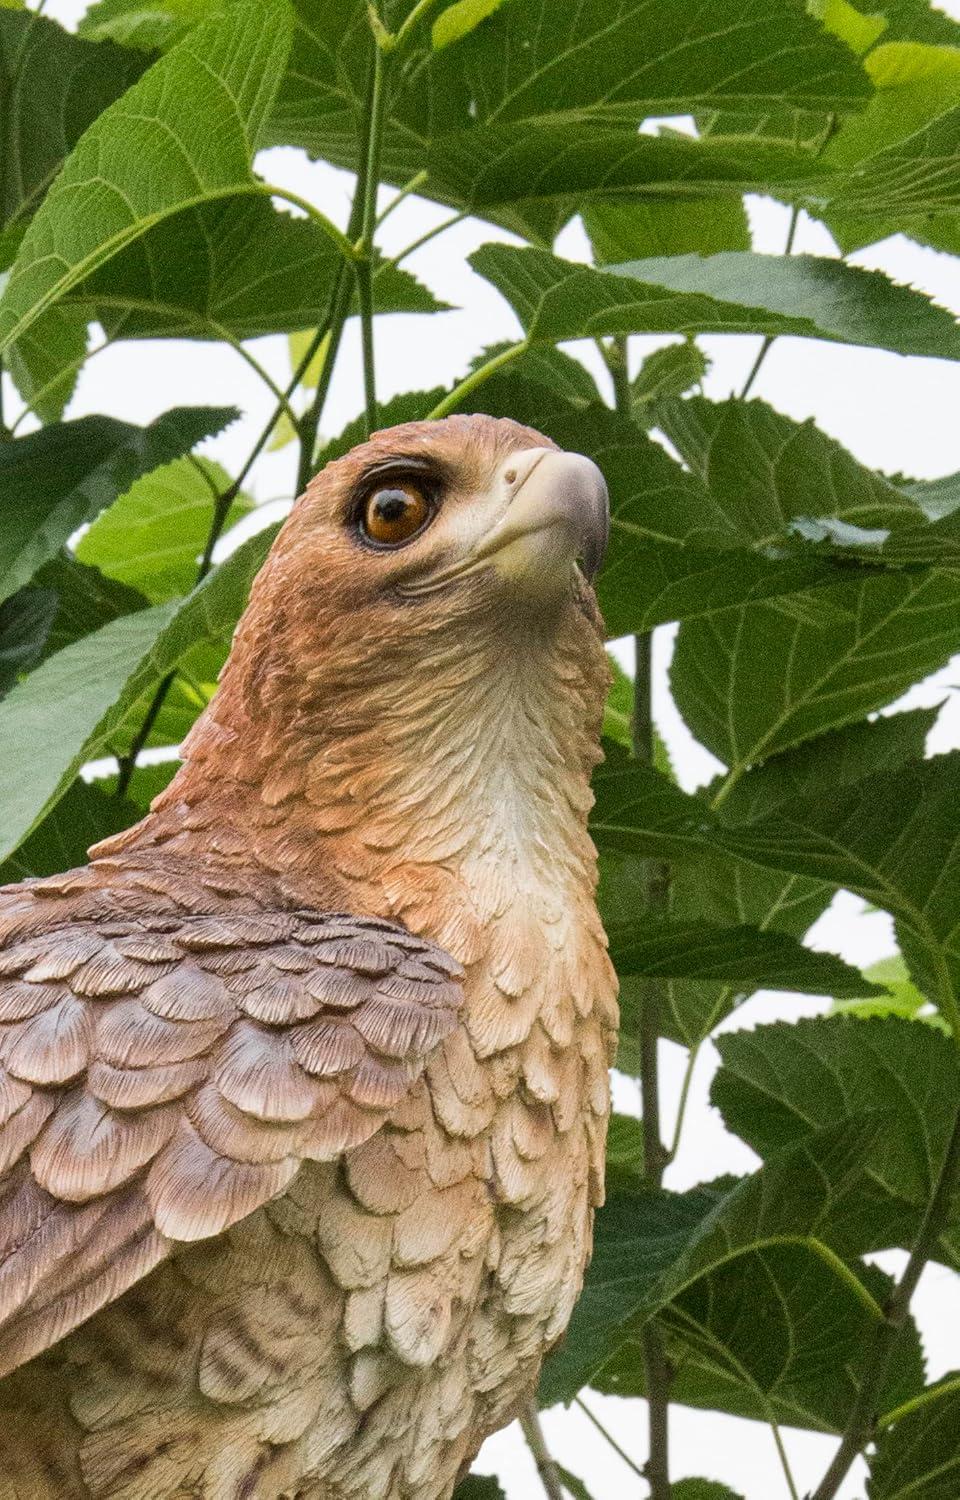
[{"x": 160, "y": 1078}]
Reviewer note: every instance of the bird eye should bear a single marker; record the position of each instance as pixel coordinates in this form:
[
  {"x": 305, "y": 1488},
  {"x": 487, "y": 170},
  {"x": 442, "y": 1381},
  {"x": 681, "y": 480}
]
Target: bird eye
[{"x": 395, "y": 514}]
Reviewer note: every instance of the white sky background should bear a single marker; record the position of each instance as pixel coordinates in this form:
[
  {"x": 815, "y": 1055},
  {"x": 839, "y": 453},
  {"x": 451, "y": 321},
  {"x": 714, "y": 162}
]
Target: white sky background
[{"x": 894, "y": 413}]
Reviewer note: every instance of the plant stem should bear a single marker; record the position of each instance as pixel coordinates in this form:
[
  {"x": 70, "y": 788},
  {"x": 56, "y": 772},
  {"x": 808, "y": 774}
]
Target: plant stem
[
  {"x": 476, "y": 377},
  {"x": 862, "y": 1421},
  {"x": 767, "y": 344},
  {"x": 542, "y": 1457},
  {"x": 657, "y": 1371},
  {"x": 415, "y": 182},
  {"x": 424, "y": 239},
  {"x": 364, "y": 265},
  {"x": 621, "y": 1453}
]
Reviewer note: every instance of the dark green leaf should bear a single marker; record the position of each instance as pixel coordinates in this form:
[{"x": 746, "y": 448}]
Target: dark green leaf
[
  {"x": 664, "y": 375},
  {"x": 894, "y": 838},
  {"x": 918, "y": 1458},
  {"x": 777, "y": 1083},
  {"x": 229, "y": 269},
  {"x": 771, "y": 1337},
  {"x": 664, "y": 948},
  {"x": 86, "y": 599},
  {"x": 25, "y": 621},
  {"x": 728, "y": 293},
  {"x": 479, "y": 1487},
  {"x": 651, "y": 1247},
  {"x": 84, "y": 815},
  {"x": 86, "y": 700},
  {"x": 639, "y": 811},
  {"x": 144, "y": 23},
  {"x": 702, "y": 1489},
  {"x": 57, "y": 479},
  {"x": 52, "y": 86},
  {"x": 184, "y": 135}
]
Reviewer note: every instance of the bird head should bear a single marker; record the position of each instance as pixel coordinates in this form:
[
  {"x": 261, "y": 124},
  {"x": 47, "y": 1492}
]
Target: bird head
[{"x": 472, "y": 508}]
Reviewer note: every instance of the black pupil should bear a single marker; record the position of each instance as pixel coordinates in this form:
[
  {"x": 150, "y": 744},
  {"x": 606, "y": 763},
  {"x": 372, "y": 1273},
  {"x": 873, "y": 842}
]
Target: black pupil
[{"x": 391, "y": 505}]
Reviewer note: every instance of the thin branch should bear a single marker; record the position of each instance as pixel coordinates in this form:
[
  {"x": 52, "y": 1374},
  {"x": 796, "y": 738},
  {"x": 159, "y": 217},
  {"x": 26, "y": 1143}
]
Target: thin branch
[
  {"x": 542, "y": 1457},
  {"x": 658, "y": 1374},
  {"x": 784, "y": 1460},
  {"x": 476, "y": 378},
  {"x": 862, "y": 1422},
  {"x": 692, "y": 1055},
  {"x": 424, "y": 239},
  {"x": 416, "y": 181},
  {"x": 364, "y": 265},
  {"x": 621, "y": 1453},
  {"x": 767, "y": 344}
]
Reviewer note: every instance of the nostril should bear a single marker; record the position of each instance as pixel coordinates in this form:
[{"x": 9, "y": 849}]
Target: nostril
[{"x": 510, "y": 476}]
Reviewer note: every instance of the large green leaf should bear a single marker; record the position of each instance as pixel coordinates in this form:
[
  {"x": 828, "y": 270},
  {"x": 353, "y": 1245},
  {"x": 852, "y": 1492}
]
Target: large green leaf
[
  {"x": 152, "y": 538},
  {"x": 632, "y": 231},
  {"x": 650, "y": 1248},
  {"x": 56, "y": 480},
  {"x": 52, "y": 86},
  {"x": 917, "y": 1458},
  {"x": 894, "y": 838},
  {"x": 639, "y": 811},
  {"x": 772, "y": 1337},
  {"x": 84, "y": 815},
  {"x": 232, "y": 269},
  {"x": 45, "y": 362},
  {"x": 25, "y": 621},
  {"x": 85, "y": 599},
  {"x": 87, "y": 699},
  {"x": 901, "y": 157},
  {"x": 184, "y": 135},
  {"x": 727, "y": 293},
  {"x": 754, "y": 681},
  {"x": 146, "y": 24},
  {"x": 778, "y": 1083},
  {"x": 665, "y": 948}
]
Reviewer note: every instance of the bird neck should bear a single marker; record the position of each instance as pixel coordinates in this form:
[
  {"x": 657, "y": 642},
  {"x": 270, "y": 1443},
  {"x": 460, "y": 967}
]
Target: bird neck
[{"x": 449, "y": 791}]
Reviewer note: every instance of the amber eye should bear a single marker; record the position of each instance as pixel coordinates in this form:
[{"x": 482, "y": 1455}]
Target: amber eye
[{"x": 395, "y": 514}]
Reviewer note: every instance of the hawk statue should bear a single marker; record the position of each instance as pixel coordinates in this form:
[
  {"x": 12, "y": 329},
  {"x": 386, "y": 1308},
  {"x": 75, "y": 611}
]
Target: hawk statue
[{"x": 303, "y": 1079}]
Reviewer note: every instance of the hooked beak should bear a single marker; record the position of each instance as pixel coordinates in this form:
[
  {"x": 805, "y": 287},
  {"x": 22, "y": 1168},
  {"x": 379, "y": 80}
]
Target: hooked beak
[{"x": 558, "y": 511}]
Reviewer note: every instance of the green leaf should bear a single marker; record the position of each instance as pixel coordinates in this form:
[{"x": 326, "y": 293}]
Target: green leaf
[
  {"x": 664, "y": 375},
  {"x": 842, "y": 19},
  {"x": 894, "y": 839},
  {"x": 45, "y": 362},
  {"x": 86, "y": 599},
  {"x": 754, "y": 681},
  {"x": 84, "y": 815},
  {"x": 664, "y": 948},
  {"x": 900, "y": 996},
  {"x": 771, "y": 1337},
  {"x": 778, "y": 1083},
  {"x": 836, "y": 759},
  {"x": 152, "y": 538},
  {"x": 631, "y": 231},
  {"x": 651, "y": 1247},
  {"x": 702, "y": 1489},
  {"x": 25, "y": 621},
  {"x": 900, "y": 158},
  {"x": 154, "y": 24},
  {"x": 184, "y": 135},
  {"x": 56, "y": 480},
  {"x": 479, "y": 1487},
  {"x": 917, "y": 1458},
  {"x": 573, "y": 1485},
  {"x": 639, "y": 811},
  {"x": 728, "y": 293},
  {"x": 232, "y": 269},
  {"x": 52, "y": 86},
  {"x": 459, "y": 19},
  {"x": 87, "y": 699}
]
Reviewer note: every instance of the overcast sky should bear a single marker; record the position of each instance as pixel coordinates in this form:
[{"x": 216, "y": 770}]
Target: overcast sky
[{"x": 894, "y": 413}]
